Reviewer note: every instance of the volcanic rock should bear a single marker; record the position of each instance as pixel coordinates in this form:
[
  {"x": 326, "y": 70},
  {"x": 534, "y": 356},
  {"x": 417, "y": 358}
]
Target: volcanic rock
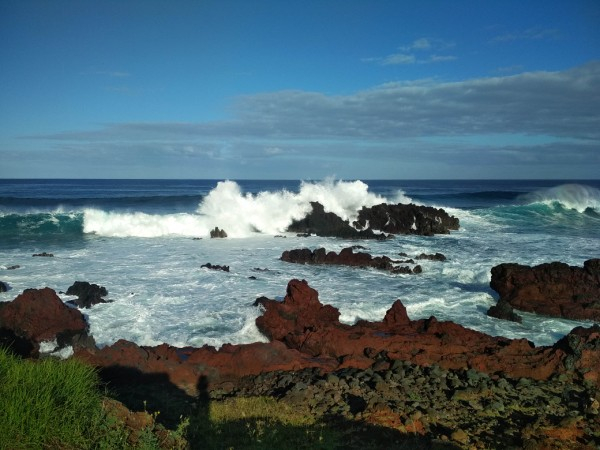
[
  {"x": 406, "y": 219},
  {"x": 503, "y": 310},
  {"x": 346, "y": 257},
  {"x": 553, "y": 289},
  {"x": 303, "y": 323},
  {"x": 39, "y": 315},
  {"x": 328, "y": 224},
  {"x": 87, "y": 294},
  {"x": 218, "y": 233},
  {"x": 215, "y": 267}
]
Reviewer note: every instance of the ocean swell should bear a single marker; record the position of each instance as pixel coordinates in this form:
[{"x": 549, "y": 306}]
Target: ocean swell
[{"x": 578, "y": 197}]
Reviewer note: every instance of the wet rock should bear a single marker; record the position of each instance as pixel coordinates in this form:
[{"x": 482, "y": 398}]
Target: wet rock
[
  {"x": 406, "y": 219},
  {"x": 346, "y": 257},
  {"x": 218, "y": 233},
  {"x": 44, "y": 254},
  {"x": 503, "y": 310},
  {"x": 328, "y": 224},
  {"x": 553, "y": 289},
  {"x": 38, "y": 315},
  {"x": 87, "y": 294},
  {"x": 3, "y": 286},
  {"x": 434, "y": 257},
  {"x": 215, "y": 267}
]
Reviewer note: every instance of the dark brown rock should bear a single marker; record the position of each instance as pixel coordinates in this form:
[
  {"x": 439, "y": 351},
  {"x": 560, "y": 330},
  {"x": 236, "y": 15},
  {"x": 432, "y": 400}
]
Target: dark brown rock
[
  {"x": 553, "y": 289},
  {"x": 218, "y": 233},
  {"x": 215, "y": 267},
  {"x": 87, "y": 294},
  {"x": 39, "y": 315},
  {"x": 328, "y": 224},
  {"x": 346, "y": 257},
  {"x": 406, "y": 219}
]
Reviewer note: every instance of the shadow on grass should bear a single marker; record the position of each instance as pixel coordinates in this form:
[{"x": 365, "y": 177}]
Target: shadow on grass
[{"x": 154, "y": 392}]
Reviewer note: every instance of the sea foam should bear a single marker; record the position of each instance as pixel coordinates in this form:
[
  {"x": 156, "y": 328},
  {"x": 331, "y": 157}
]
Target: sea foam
[
  {"x": 571, "y": 196},
  {"x": 239, "y": 214}
]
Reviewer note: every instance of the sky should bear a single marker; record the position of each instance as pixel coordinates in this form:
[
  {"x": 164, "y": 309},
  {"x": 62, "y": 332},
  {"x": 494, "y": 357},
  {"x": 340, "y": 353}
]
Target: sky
[{"x": 300, "y": 89}]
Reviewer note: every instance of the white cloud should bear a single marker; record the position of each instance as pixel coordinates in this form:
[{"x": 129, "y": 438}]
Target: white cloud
[
  {"x": 422, "y": 46},
  {"x": 533, "y": 118}
]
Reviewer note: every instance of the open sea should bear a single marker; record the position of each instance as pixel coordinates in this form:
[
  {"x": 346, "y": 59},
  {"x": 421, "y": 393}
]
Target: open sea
[{"x": 139, "y": 239}]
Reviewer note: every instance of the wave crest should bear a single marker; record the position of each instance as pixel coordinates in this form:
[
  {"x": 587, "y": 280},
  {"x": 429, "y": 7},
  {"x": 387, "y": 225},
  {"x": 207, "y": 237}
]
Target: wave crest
[
  {"x": 574, "y": 196},
  {"x": 239, "y": 214}
]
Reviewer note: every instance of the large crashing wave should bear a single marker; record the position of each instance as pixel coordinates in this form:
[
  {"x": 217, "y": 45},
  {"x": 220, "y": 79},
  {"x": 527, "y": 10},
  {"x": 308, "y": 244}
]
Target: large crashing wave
[
  {"x": 578, "y": 197},
  {"x": 239, "y": 214}
]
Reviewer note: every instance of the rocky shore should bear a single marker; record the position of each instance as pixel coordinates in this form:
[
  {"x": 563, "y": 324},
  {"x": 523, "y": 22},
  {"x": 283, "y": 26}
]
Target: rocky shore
[{"x": 448, "y": 385}]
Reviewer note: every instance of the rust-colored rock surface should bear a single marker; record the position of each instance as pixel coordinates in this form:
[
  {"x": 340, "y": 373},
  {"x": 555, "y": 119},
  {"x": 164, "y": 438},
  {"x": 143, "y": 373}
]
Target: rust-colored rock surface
[
  {"x": 39, "y": 315},
  {"x": 304, "y": 333},
  {"x": 553, "y": 289},
  {"x": 303, "y": 323}
]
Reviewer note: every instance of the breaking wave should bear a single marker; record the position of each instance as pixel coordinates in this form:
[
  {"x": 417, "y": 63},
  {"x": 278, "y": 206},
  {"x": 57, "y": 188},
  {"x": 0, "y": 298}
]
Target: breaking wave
[{"x": 239, "y": 214}]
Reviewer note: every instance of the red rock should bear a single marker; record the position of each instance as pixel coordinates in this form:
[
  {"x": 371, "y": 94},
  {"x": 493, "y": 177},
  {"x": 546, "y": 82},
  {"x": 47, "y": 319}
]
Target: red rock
[
  {"x": 39, "y": 315},
  {"x": 555, "y": 289},
  {"x": 297, "y": 321}
]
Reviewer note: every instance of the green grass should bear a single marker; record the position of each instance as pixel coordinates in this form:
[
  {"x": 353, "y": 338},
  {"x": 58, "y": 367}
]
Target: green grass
[
  {"x": 46, "y": 403},
  {"x": 54, "y": 404},
  {"x": 61, "y": 404},
  {"x": 259, "y": 423}
]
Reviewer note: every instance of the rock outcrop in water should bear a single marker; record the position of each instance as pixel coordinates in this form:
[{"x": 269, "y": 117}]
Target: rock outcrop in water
[
  {"x": 87, "y": 294},
  {"x": 39, "y": 315},
  {"x": 553, "y": 289},
  {"x": 406, "y": 219},
  {"x": 346, "y": 257},
  {"x": 371, "y": 222}
]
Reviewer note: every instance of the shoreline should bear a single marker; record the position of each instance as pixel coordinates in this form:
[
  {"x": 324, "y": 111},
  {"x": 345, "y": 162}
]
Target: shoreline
[{"x": 437, "y": 380}]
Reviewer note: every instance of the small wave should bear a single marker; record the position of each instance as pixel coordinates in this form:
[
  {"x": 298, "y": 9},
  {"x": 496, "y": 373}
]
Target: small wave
[
  {"x": 577, "y": 197},
  {"x": 239, "y": 214}
]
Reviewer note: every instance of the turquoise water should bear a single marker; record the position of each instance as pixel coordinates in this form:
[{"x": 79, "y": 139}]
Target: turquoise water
[{"x": 139, "y": 239}]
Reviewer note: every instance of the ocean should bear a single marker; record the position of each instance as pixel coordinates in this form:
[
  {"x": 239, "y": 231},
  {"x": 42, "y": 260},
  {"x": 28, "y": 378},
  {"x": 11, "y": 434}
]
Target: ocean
[{"x": 146, "y": 240}]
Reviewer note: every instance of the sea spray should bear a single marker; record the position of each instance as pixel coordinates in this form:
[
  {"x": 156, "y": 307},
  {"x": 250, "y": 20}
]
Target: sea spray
[
  {"x": 239, "y": 214},
  {"x": 571, "y": 196}
]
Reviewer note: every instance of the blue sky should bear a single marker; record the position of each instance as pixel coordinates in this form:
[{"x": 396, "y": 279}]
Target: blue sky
[{"x": 300, "y": 89}]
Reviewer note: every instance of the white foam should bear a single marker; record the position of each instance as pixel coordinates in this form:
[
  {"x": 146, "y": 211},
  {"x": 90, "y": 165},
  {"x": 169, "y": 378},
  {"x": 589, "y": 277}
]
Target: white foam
[
  {"x": 572, "y": 196},
  {"x": 239, "y": 214}
]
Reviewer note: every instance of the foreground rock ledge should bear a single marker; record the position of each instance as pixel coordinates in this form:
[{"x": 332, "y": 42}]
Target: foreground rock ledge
[{"x": 304, "y": 333}]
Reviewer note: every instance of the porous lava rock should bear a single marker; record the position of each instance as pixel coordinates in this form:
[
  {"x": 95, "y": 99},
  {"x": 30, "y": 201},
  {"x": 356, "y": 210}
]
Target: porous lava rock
[
  {"x": 372, "y": 221},
  {"x": 88, "y": 294},
  {"x": 39, "y": 315},
  {"x": 346, "y": 257},
  {"x": 303, "y": 323},
  {"x": 406, "y": 219},
  {"x": 553, "y": 289},
  {"x": 329, "y": 224}
]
